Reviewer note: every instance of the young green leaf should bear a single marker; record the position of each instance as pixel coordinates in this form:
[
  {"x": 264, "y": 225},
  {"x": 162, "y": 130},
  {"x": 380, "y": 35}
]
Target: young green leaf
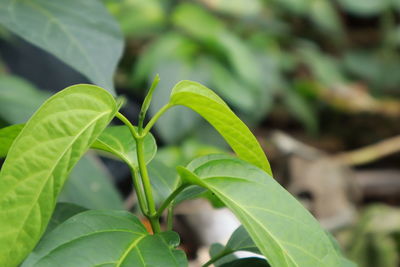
[
  {"x": 41, "y": 158},
  {"x": 147, "y": 101},
  {"x": 77, "y": 33},
  {"x": 212, "y": 108},
  {"x": 106, "y": 238},
  {"x": 118, "y": 140},
  {"x": 283, "y": 230}
]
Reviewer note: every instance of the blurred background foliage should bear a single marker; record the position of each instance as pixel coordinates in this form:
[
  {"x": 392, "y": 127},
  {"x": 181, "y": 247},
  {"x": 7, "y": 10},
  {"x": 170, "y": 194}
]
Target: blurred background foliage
[{"x": 326, "y": 71}]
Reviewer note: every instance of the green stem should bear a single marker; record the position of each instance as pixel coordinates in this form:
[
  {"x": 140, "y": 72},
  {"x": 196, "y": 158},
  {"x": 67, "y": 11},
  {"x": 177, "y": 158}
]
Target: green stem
[
  {"x": 155, "y": 224},
  {"x": 155, "y": 118},
  {"x": 139, "y": 191},
  {"x": 170, "y": 198},
  {"x": 129, "y": 124},
  {"x": 217, "y": 257},
  {"x": 170, "y": 218}
]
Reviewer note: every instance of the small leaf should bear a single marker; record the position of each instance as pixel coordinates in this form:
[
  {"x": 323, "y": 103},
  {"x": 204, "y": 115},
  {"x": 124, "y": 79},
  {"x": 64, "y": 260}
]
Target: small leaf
[
  {"x": 118, "y": 140},
  {"x": 106, "y": 238},
  {"x": 7, "y": 136},
  {"x": 212, "y": 108},
  {"x": 283, "y": 230},
  {"x": 41, "y": 158},
  {"x": 80, "y": 33}
]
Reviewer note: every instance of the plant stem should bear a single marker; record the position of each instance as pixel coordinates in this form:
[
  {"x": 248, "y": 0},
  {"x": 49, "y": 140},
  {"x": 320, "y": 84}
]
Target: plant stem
[
  {"x": 139, "y": 191},
  {"x": 170, "y": 218},
  {"x": 170, "y": 198},
  {"x": 217, "y": 257},
  {"x": 129, "y": 124},
  {"x": 155, "y": 224},
  {"x": 155, "y": 118}
]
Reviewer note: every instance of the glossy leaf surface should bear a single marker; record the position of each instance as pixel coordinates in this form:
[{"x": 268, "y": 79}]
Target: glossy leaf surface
[
  {"x": 212, "y": 108},
  {"x": 41, "y": 158},
  {"x": 106, "y": 238},
  {"x": 80, "y": 33},
  {"x": 283, "y": 230},
  {"x": 119, "y": 141}
]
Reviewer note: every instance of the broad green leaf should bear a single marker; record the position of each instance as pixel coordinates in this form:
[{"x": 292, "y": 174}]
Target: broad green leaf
[
  {"x": 116, "y": 140},
  {"x": 80, "y": 33},
  {"x": 90, "y": 185},
  {"x": 18, "y": 98},
  {"x": 100, "y": 194},
  {"x": 212, "y": 108},
  {"x": 106, "y": 238},
  {"x": 283, "y": 230},
  {"x": 7, "y": 136},
  {"x": 41, "y": 158},
  {"x": 119, "y": 141}
]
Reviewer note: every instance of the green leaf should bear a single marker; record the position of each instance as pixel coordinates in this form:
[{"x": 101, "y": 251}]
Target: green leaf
[
  {"x": 215, "y": 250},
  {"x": 7, "y": 136},
  {"x": 116, "y": 140},
  {"x": 80, "y": 33},
  {"x": 212, "y": 108},
  {"x": 240, "y": 240},
  {"x": 19, "y": 99},
  {"x": 41, "y": 158},
  {"x": 90, "y": 185},
  {"x": 164, "y": 180},
  {"x": 283, "y": 230},
  {"x": 106, "y": 238},
  {"x": 62, "y": 212},
  {"x": 119, "y": 141}
]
